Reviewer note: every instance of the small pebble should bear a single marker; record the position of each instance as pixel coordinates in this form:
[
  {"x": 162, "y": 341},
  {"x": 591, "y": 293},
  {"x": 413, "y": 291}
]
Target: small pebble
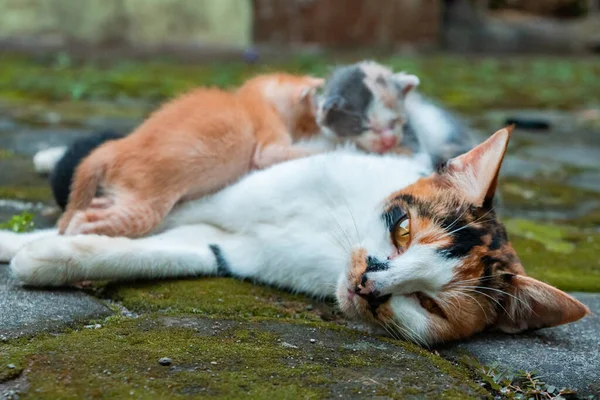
[
  {"x": 309, "y": 307},
  {"x": 165, "y": 361},
  {"x": 213, "y": 362},
  {"x": 11, "y": 366},
  {"x": 313, "y": 340}
]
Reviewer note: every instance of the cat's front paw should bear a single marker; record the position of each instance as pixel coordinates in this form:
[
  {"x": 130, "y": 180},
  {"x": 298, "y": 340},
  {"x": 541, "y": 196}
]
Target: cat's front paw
[
  {"x": 45, "y": 262},
  {"x": 9, "y": 245}
]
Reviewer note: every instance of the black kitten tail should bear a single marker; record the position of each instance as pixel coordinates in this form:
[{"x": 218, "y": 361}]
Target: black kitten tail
[{"x": 62, "y": 174}]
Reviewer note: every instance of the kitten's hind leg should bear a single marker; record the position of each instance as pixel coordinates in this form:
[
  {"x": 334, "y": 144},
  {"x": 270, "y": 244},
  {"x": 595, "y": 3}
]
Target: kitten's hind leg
[
  {"x": 181, "y": 252},
  {"x": 131, "y": 219}
]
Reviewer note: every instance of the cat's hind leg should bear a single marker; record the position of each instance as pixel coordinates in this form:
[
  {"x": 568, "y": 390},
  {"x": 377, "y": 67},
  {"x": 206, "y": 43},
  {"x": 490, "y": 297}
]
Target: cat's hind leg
[{"x": 181, "y": 252}]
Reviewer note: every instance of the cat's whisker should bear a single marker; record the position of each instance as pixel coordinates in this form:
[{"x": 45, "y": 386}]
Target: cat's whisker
[
  {"x": 400, "y": 332},
  {"x": 457, "y": 219},
  {"x": 341, "y": 231},
  {"x": 473, "y": 222},
  {"x": 480, "y": 306},
  {"x": 358, "y": 236},
  {"x": 524, "y": 303},
  {"x": 409, "y": 332},
  {"x": 491, "y": 298}
]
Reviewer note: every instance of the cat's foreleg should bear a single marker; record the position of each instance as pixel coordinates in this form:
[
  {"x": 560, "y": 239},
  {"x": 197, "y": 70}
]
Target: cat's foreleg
[
  {"x": 181, "y": 252},
  {"x": 11, "y": 242}
]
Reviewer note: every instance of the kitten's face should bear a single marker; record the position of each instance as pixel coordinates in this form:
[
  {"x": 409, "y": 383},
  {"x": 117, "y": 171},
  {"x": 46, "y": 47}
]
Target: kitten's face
[
  {"x": 439, "y": 265},
  {"x": 364, "y": 103}
]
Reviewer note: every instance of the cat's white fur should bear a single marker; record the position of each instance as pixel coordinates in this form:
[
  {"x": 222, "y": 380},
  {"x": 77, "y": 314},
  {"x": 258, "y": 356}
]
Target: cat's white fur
[
  {"x": 293, "y": 226},
  {"x": 45, "y": 160}
]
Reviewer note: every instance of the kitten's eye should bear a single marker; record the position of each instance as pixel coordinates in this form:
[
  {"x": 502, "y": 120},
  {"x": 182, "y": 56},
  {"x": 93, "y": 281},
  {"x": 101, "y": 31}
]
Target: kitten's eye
[
  {"x": 402, "y": 232},
  {"x": 429, "y": 304},
  {"x": 394, "y": 122}
]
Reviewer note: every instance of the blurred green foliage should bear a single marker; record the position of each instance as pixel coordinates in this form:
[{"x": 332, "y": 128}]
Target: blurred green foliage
[
  {"x": 463, "y": 83},
  {"x": 19, "y": 223}
]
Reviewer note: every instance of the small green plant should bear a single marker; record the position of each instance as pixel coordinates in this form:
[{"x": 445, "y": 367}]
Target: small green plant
[
  {"x": 523, "y": 385},
  {"x": 19, "y": 223}
]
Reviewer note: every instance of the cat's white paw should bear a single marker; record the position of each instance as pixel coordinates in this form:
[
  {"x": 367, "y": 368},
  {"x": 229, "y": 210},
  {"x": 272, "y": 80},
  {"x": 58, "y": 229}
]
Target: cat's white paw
[
  {"x": 9, "y": 245},
  {"x": 45, "y": 262}
]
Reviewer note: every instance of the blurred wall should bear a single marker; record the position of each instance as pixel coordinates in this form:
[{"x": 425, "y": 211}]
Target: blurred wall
[
  {"x": 136, "y": 22},
  {"x": 346, "y": 22}
]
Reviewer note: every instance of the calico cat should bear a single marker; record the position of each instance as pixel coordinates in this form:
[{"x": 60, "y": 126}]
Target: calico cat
[
  {"x": 411, "y": 252},
  {"x": 380, "y": 111},
  {"x": 191, "y": 146}
]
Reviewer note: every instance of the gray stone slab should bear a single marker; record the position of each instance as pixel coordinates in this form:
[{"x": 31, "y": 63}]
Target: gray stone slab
[
  {"x": 587, "y": 180},
  {"x": 580, "y": 156},
  {"x": 29, "y": 141},
  {"x": 28, "y": 311},
  {"x": 566, "y": 356}
]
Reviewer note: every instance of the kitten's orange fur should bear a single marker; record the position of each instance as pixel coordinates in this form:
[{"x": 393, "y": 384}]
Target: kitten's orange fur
[{"x": 191, "y": 146}]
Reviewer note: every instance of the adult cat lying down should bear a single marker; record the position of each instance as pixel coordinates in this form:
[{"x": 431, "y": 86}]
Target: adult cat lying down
[{"x": 422, "y": 256}]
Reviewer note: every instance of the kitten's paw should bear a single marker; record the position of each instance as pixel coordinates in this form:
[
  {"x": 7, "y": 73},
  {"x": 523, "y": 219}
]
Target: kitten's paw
[
  {"x": 46, "y": 262},
  {"x": 266, "y": 156}
]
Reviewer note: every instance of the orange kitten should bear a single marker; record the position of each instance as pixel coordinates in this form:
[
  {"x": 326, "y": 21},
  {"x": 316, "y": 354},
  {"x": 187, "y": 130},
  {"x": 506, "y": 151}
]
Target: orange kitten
[{"x": 191, "y": 146}]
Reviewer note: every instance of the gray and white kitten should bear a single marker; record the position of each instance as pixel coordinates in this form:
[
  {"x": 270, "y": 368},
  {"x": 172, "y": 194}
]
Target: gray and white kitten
[{"x": 378, "y": 110}]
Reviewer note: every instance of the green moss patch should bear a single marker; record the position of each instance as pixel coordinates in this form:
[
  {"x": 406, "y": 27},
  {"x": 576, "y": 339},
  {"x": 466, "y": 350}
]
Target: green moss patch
[
  {"x": 532, "y": 194},
  {"x": 222, "y": 297},
  {"x": 563, "y": 256},
  {"x": 227, "y": 359}
]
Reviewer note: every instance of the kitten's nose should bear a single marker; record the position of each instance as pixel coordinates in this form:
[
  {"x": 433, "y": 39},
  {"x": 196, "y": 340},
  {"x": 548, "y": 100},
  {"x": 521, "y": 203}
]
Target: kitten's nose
[{"x": 388, "y": 141}]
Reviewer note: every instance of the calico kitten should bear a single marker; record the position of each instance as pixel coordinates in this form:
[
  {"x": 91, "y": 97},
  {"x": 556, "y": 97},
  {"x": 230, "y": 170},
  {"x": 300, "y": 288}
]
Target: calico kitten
[
  {"x": 379, "y": 110},
  {"x": 423, "y": 258},
  {"x": 191, "y": 146}
]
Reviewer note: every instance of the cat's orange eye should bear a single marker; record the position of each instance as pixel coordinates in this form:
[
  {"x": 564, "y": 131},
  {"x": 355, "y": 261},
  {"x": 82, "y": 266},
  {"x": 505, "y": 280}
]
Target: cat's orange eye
[{"x": 402, "y": 232}]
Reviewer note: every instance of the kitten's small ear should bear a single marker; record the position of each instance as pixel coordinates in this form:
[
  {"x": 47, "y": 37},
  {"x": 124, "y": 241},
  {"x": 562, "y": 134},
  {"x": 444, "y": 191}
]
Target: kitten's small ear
[
  {"x": 406, "y": 82},
  {"x": 316, "y": 82},
  {"x": 333, "y": 102},
  {"x": 309, "y": 91},
  {"x": 534, "y": 304},
  {"x": 475, "y": 173}
]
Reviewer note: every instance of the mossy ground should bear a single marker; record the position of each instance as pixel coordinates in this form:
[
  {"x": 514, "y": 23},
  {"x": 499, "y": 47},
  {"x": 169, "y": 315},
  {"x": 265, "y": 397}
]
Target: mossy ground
[
  {"x": 222, "y": 358},
  {"x": 259, "y": 337},
  {"x": 492, "y": 83}
]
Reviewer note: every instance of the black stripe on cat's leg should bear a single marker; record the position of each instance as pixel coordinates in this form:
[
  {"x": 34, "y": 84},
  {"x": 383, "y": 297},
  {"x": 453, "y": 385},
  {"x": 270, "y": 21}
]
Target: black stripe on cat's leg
[{"x": 223, "y": 268}]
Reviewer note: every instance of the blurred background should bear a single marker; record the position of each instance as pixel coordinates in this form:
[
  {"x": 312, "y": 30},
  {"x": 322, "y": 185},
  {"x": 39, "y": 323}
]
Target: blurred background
[{"x": 72, "y": 67}]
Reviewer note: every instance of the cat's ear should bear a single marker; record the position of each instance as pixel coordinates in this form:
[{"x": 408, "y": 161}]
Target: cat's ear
[
  {"x": 534, "y": 304},
  {"x": 475, "y": 173},
  {"x": 405, "y": 82}
]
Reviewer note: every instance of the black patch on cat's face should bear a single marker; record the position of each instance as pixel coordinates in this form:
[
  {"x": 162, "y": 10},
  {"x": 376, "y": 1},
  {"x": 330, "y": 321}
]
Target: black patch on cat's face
[
  {"x": 392, "y": 216},
  {"x": 467, "y": 227},
  {"x": 346, "y": 100},
  {"x": 375, "y": 265}
]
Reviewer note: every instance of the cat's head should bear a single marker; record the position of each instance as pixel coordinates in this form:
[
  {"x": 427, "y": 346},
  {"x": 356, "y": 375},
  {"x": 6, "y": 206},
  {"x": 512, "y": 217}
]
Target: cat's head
[
  {"x": 294, "y": 98},
  {"x": 439, "y": 266},
  {"x": 364, "y": 103}
]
